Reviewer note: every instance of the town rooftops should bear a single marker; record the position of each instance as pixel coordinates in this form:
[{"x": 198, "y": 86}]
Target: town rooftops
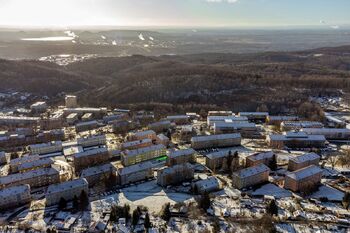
[
  {"x": 91, "y": 152},
  {"x": 96, "y": 170},
  {"x": 144, "y": 150},
  {"x": 304, "y": 172},
  {"x": 43, "y": 145},
  {"x": 296, "y": 136},
  {"x": 177, "y": 153},
  {"x": 251, "y": 171},
  {"x": 28, "y": 175},
  {"x": 261, "y": 155},
  {"x": 66, "y": 186},
  {"x": 144, "y": 133},
  {"x": 137, "y": 142},
  {"x": 215, "y": 137},
  {"x": 15, "y": 190},
  {"x": 94, "y": 122},
  {"x": 135, "y": 168},
  {"x": 220, "y": 154},
  {"x": 305, "y": 157},
  {"x": 325, "y": 130},
  {"x": 36, "y": 163},
  {"x": 253, "y": 113},
  {"x": 235, "y": 125}
]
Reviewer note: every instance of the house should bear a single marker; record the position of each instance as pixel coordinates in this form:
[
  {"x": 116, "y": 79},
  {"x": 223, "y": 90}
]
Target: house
[
  {"x": 250, "y": 176},
  {"x": 302, "y": 161},
  {"x": 303, "y": 179},
  {"x": 219, "y": 140}
]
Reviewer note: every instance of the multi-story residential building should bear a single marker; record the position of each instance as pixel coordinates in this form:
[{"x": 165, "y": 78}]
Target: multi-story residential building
[
  {"x": 215, "y": 160},
  {"x": 15, "y": 163},
  {"x": 181, "y": 156},
  {"x": 130, "y": 157},
  {"x": 90, "y": 158},
  {"x": 72, "y": 118},
  {"x": 247, "y": 129},
  {"x": 259, "y": 158},
  {"x": 329, "y": 133},
  {"x": 36, "y": 164},
  {"x": 133, "y": 145},
  {"x": 66, "y": 190},
  {"x": 94, "y": 140},
  {"x": 216, "y": 119},
  {"x": 35, "y": 178},
  {"x": 303, "y": 179},
  {"x": 298, "y": 125},
  {"x": 160, "y": 126},
  {"x": 135, "y": 173},
  {"x": 162, "y": 139},
  {"x": 16, "y": 121},
  {"x": 295, "y": 140},
  {"x": 97, "y": 174},
  {"x": 254, "y": 116},
  {"x": 46, "y": 148},
  {"x": 220, "y": 113},
  {"x": 38, "y": 107},
  {"x": 179, "y": 119},
  {"x": 277, "y": 120},
  {"x": 85, "y": 126},
  {"x": 208, "y": 185},
  {"x": 302, "y": 161},
  {"x": 148, "y": 134},
  {"x": 219, "y": 140},
  {"x": 14, "y": 196},
  {"x": 97, "y": 112},
  {"x": 250, "y": 176},
  {"x": 71, "y": 101},
  {"x": 175, "y": 175}
]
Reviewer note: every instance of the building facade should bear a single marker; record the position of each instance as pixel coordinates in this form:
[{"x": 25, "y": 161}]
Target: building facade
[{"x": 250, "y": 176}]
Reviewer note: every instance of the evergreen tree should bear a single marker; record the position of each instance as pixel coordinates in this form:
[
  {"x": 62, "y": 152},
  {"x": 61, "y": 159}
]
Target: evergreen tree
[
  {"x": 84, "y": 200},
  {"x": 273, "y": 163},
  {"x": 272, "y": 208},
  {"x": 204, "y": 202},
  {"x": 166, "y": 214},
  {"x": 75, "y": 203},
  {"x": 136, "y": 216},
  {"x": 346, "y": 200},
  {"x": 147, "y": 222},
  {"x": 62, "y": 204}
]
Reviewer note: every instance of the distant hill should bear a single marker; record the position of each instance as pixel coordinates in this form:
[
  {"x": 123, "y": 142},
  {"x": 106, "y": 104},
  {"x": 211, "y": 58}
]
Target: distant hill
[{"x": 241, "y": 81}]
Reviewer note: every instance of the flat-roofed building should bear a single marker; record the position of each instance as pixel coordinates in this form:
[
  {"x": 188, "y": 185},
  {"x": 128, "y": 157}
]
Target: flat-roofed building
[
  {"x": 277, "y": 120},
  {"x": 85, "y": 126},
  {"x": 181, "y": 156},
  {"x": 87, "y": 117},
  {"x": 179, "y": 119},
  {"x": 135, "y": 173},
  {"x": 35, "y": 178},
  {"x": 38, "y": 107},
  {"x": 97, "y": 174},
  {"x": 297, "y": 125},
  {"x": 250, "y": 176},
  {"x": 216, "y": 119},
  {"x": 14, "y": 196},
  {"x": 97, "y": 112},
  {"x": 295, "y": 140},
  {"x": 215, "y": 160},
  {"x": 333, "y": 121},
  {"x": 150, "y": 134},
  {"x": 302, "y": 161},
  {"x": 36, "y": 164},
  {"x": 94, "y": 140},
  {"x": 175, "y": 175},
  {"x": 46, "y": 148},
  {"x": 218, "y": 140},
  {"x": 90, "y": 158},
  {"x": 245, "y": 129},
  {"x": 72, "y": 118},
  {"x": 130, "y": 157},
  {"x": 208, "y": 185},
  {"x": 303, "y": 179},
  {"x": 259, "y": 158},
  {"x": 66, "y": 190},
  {"x": 329, "y": 133},
  {"x": 71, "y": 101},
  {"x": 133, "y": 145},
  {"x": 220, "y": 113},
  {"x": 254, "y": 116},
  {"x": 160, "y": 126}
]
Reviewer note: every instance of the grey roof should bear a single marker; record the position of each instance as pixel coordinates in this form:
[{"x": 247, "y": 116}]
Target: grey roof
[
  {"x": 91, "y": 152},
  {"x": 12, "y": 191},
  {"x": 24, "y": 159},
  {"x": 159, "y": 123},
  {"x": 176, "y": 168},
  {"x": 211, "y": 182},
  {"x": 137, "y": 142},
  {"x": 219, "y": 154},
  {"x": 96, "y": 170},
  {"x": 27, "y": 175},
  {"x": 144, "y": 133},
  {"x": 223, "y": 118},
  {"x": 283, "y": 118},
  {"x": 235, "y": 125},
  {"x": 144, "y": 150},
  {"x": 296, "y": 136},
  {"x": 325, "y": 130},
  {"x": 215, "y": 137},
  {"x": 94, "y": 122},
  {"x": 35, "y": 163},
  {"x": 251, "y": 171},
  {"x": 261, "y": 155},
  {"x": 177, "y": 117},
  {"x": 135, "y": 168},
  {"x": 177, "y": 153},
  {"x": 305, "y": 157},
  {"x": 66, "y": 186},
  {"x": 304, "y": 172},
  {"x": 43, "y": 145},
  {"x": 253, "y": 113},
  {"x": 302, "y": 124}
]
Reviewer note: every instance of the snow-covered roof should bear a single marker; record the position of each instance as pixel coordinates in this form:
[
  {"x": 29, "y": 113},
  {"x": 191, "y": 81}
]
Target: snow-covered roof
[
  {"x": 251, "y": 171},
  {"x": 177, "y": 153},
  {"x": 137, "y": 142},
  {"x": 144, "y": 133},
  {"x": 28, "y": 175},
  {"x": 96, "y": 170},
  {"x": 216, "y": 137},
  {"x": 66, "y": 186},
  {"x": 325, "y": 130},
  {"x": 304, "y": 172},
  {"x": 235, "y": 125},
  {"x": 135, "y": 168},
  {"x": 211, "y": 182},
  {"x": 13, "y": 191},
  {"x": 36, "y": 163},
  {"x": 219, "y": 154},
  {"x": 261, "y": 155},
  {"x": 91, "y": 152},
  {"x": 305, "y": 157}
]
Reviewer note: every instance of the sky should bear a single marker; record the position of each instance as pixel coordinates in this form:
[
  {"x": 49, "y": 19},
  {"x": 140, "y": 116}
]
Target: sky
[{"x": 212, "y": 13}]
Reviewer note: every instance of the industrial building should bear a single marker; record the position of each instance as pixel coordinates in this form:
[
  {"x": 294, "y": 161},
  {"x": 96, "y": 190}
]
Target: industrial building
[
  {"x": 181, "y": 156},
  {"x": 250, "y": 176},
  {"x": 303, "y": 179},
  {"x": 66, "y": 190},
  {"x": 130, "y": 157},
  {"x": 175, "y": 175},
  {"x": 302, "y": 161},
  {"x": 295, "y": 140},
  {"x": 219, "y": 140}
]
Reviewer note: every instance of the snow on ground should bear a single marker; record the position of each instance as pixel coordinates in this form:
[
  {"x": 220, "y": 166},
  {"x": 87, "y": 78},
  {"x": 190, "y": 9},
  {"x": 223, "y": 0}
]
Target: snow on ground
[
  {"x": 272, "y": 190},
  {"x": 331, "y": 193}
]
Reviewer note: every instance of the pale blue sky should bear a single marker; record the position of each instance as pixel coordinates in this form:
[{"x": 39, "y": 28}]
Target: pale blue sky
[{"x": 251, "y": 13}]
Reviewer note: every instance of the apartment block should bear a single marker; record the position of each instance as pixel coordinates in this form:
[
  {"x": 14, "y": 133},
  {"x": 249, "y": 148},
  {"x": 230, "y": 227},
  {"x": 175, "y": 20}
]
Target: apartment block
[
  {"x": 219, "y": 140},
  {"x": 302, "y": 161},
  {"x": 250, "y": 176},
  {"x": 175, "y": 175},
  {"x": 130, "y": 157}
]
